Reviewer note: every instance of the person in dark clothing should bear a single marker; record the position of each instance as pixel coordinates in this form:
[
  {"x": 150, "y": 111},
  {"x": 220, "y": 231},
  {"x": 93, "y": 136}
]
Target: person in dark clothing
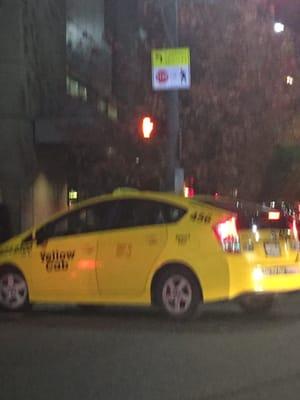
[{"x": 5, "y": 224}]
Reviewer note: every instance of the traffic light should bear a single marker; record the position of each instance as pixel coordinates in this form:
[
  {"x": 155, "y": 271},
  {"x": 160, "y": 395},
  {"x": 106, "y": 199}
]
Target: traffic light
[{"x": 147, "y": 127}]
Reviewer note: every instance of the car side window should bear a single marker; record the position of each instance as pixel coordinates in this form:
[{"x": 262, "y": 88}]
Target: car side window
[
  {"x": 99, "y": 217},
  {"x": 135, "y": 213},
  {"x": 172, "y": 213},
  {"x": 69, "y": 224},
  {"x": 88, "y": 219}
]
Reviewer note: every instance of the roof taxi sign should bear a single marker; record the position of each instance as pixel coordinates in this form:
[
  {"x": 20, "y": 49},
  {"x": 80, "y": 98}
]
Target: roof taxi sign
[{"x": 171, "y": 68}]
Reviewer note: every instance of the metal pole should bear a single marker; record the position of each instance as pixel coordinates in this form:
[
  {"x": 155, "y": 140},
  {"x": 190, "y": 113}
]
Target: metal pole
[{"x": 171, "y": 13}]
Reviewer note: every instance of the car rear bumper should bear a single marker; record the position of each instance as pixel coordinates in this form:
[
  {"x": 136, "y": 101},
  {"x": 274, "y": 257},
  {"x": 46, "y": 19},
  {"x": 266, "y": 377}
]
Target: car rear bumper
[{"x": 274, "y": 276}]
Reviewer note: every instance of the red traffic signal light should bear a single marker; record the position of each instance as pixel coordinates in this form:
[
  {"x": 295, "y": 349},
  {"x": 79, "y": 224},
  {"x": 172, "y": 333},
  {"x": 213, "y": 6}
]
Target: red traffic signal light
[{"x": 147, "y": 127}]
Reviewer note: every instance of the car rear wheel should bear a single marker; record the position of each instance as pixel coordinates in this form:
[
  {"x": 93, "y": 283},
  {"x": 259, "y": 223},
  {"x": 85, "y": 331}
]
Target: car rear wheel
[
  {"x": 13, "y": 291},
  {"x": 178, "y": 293},
  {"x": 256, "y": 303}
]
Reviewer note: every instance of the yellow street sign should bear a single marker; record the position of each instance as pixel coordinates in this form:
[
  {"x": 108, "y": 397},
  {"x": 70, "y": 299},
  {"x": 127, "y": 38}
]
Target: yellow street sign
[{"x": 171, "y": 57}]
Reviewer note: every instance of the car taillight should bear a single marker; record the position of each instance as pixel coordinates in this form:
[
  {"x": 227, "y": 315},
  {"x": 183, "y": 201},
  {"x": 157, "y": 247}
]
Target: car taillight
[
  {"x": 189, "y": 191},
  {"x": 227, "y": 234}
]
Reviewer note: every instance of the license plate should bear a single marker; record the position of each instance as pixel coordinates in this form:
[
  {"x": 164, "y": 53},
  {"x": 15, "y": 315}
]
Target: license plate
[
  {"x": 281, "y": 270},
  {"x": 272, "y": 249}
]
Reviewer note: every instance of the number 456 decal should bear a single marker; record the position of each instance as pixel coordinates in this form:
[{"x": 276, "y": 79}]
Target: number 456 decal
[{"x": 200, "y": 217}]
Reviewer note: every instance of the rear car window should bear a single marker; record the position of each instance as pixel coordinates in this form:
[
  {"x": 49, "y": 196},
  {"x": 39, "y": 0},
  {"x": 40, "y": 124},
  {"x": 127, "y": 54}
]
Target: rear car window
[{"x": 248, "y": 213}]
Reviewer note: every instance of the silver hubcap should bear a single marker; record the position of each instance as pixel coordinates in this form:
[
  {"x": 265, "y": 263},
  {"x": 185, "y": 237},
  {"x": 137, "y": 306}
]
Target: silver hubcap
[
  {"x": 177, "y": 294},
  {"x": 13, "y": 291}
]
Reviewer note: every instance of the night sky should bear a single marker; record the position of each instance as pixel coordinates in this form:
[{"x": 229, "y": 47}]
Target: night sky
[{"x": 288, "y": 11}]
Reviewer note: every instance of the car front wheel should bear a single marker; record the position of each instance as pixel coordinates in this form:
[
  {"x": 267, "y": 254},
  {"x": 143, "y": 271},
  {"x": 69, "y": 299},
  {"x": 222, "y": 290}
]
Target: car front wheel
[
  {"x": 13, "y": 291},
  {"x": 178, "y": 293}
]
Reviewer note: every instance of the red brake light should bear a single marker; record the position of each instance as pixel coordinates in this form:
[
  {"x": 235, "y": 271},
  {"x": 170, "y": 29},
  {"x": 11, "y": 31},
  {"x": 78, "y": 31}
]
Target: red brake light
[
  {"x": 227, "y": 234},
  {"x": 274, "y": 215},
  {"x": 189, "y": 191}
]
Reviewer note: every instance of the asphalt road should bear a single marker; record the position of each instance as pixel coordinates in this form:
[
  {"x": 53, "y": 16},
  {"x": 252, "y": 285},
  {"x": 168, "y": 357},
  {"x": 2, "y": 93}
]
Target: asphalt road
[{"x": 111, "y": 353}]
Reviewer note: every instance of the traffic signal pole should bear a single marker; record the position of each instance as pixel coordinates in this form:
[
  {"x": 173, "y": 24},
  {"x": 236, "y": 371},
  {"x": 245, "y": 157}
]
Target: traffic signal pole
[
  {"x": 173, "y": 138},
  {"x": 173, "y": 127}
]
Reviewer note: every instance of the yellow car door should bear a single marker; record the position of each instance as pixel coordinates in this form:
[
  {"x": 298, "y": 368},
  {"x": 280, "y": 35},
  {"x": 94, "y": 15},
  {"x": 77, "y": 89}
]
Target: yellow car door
[
  {"x": 64, "y": 259},
  {"x": 126, "y": 252}
]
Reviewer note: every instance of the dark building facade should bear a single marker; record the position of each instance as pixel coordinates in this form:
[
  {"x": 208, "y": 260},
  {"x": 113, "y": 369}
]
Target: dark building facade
[
  {"x": 29, "y": 80},
  {"x": 59, "y": 70}
]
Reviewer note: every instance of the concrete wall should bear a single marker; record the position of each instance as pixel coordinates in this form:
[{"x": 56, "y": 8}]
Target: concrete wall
[
  {"x": 44, "y": 42},
  {"x": 12, "y": 95},
  {"x": 16, "y": 141},
  {"x": 32, "y": 79},
  {"x": 17, "y": 164},
  {"x": 48, "y": 198},
  {"x": 40, "y": 42}
]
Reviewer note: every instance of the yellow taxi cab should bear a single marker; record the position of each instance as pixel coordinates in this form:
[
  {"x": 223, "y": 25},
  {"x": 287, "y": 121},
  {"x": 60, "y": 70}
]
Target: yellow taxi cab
[{"x": 150, "y": 248}]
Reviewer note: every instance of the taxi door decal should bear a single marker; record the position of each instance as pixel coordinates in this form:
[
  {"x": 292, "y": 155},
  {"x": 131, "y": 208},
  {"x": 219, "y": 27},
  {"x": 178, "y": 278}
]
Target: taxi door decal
[{"x": 56, "y": 261}]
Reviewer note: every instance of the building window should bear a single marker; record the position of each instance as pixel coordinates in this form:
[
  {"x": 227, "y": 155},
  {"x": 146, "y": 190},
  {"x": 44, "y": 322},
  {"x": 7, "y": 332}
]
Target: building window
[
  {"x": 112, "y": 112},
  {"x": 82, "y": 92},
  {"x": 102, "y": 106},
  {"x": 75, "y": 89}
]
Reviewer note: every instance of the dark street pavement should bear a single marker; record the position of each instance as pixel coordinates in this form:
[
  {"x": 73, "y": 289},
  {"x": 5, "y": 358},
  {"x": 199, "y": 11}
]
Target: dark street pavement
[{"x": 70, "y": 353}]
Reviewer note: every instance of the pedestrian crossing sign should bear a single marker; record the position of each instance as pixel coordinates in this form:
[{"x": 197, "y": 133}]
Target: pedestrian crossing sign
[{"x": 171, "y": 69}]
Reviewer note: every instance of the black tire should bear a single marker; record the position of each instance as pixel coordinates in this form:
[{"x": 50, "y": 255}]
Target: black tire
[
  {"x": 90, "y": 307},
  {"x": 256, "y": 304},
  {"x": 178, "y": 305},
  {"x": 14, "y": 295}
]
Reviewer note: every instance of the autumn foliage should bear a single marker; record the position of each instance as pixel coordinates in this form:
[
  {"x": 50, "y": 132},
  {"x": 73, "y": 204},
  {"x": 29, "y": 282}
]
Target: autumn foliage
[{"x": 238, "y": 108}]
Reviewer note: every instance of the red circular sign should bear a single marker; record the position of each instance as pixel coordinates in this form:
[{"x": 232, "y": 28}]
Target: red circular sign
[{"x": 162, "y": 76}]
